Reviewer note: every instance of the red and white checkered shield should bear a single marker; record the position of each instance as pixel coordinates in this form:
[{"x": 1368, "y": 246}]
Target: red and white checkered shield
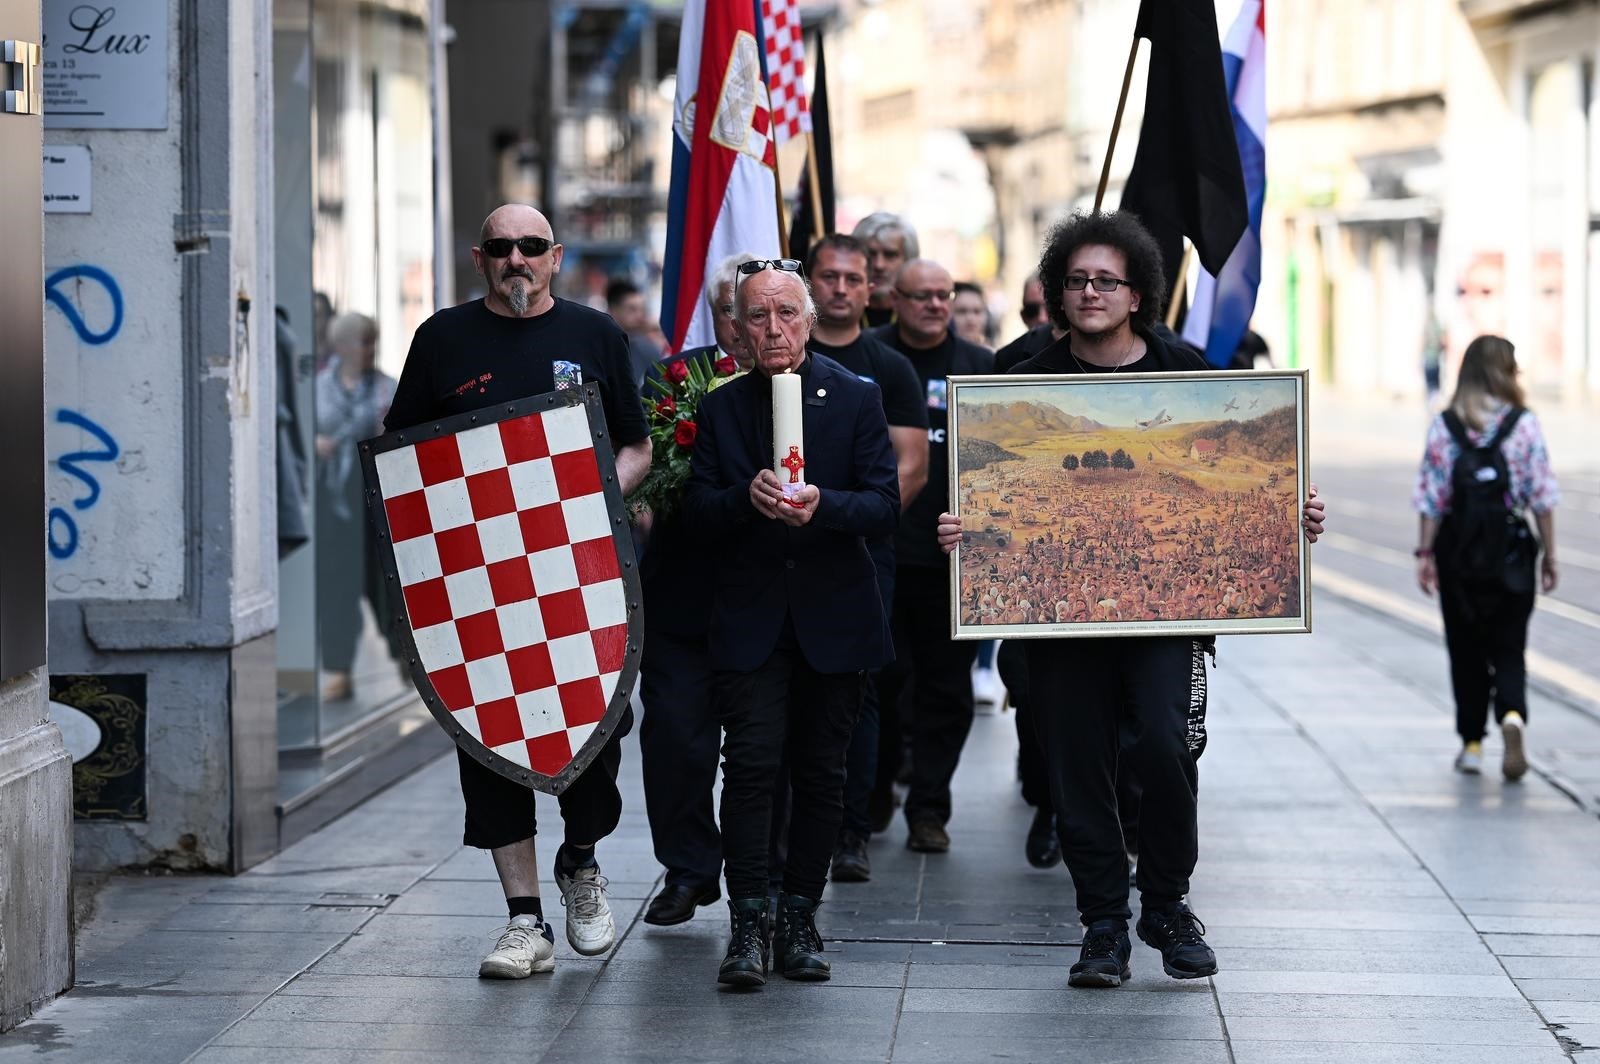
[{"x": 505, "y": 532}]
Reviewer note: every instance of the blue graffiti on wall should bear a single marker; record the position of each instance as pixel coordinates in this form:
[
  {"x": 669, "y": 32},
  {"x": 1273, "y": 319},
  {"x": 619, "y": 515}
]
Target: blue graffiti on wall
[{"x": 62, "y": 527}]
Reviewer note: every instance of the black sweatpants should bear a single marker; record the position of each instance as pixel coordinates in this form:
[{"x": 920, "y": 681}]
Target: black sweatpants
[
  {"x": 679, "y": 740},
  {"x": 938, "y": 671},
  {"x": 1084, "y": 693},
  {"x": 783, "y": 710},
  {"x": 500, "y": 811},
  {"x": 1487, "y": 641}
]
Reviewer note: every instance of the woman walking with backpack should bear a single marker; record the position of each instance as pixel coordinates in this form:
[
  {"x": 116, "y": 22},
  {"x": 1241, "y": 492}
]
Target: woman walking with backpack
[{"x": 1485, "y": 466}]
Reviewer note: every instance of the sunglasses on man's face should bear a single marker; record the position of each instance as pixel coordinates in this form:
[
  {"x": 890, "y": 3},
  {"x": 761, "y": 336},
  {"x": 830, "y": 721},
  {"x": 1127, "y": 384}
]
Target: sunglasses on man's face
[
  {"x": 532, "y": 247},
  {"x": 757, "y": 265}
]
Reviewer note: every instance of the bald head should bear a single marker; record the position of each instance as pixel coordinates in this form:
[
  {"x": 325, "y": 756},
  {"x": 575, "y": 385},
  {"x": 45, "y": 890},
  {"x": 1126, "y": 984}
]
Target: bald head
[
  {"x": 519, "y": 283},
  {"x": 922, "y": 293}
]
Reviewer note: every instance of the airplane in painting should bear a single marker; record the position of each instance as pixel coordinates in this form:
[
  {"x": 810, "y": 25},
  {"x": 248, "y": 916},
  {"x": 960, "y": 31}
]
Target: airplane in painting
[
  {"x": 1160, "y": 419},
  {"x": 1255, "y": 402},
  {"x": 1231, "y": 404}
]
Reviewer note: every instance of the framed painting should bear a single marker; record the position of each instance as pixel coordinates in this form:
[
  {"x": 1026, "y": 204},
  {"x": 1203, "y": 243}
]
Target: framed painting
[{"x": 1146, "y": 504}]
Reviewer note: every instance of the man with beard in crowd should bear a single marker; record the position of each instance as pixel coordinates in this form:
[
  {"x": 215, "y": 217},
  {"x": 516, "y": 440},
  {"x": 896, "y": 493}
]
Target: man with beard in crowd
[
  {"x": 796, "y": 618},
  {"x": 1103, "y": 280},
  {"x": 838, "y": 271},
  {"x": 520, "y": 340},
  {"x": 679, "y": 737},
  {"x": 891, "y": 242},
  {"x": 937, "y": 669}
]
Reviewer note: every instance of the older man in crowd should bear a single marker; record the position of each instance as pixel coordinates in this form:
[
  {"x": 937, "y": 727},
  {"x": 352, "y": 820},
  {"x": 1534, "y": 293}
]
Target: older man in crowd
[
  {"x": 796, "y": 618},
  {"x": 891, "y": 242}
]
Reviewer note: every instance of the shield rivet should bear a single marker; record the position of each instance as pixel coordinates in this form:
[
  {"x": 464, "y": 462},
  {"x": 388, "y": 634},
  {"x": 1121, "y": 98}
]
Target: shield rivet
[
  {"x": 627, "y": 565},
  {"x": 474, "y": 419}
]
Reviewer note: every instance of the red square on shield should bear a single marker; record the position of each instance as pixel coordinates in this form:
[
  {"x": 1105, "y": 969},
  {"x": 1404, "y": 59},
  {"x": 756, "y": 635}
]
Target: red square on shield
[
  {"x": 511, "y": 580},
  {"x": 577, "y": 473},
  {"x": 452, "y": 687},
  {"x": 480, "y": 635},
  {"x": 490, "y": 493},
  {"x": 408, "y": 516},
  {"x": 543, "y": 527},
  {"x": 582, "y": 701},
  {"x": 549, "y": 754},
  {"x": 610, "y": 647},
  {"x": 427, "y": 603},
  {"x": 531, "y": 669},
  {"x": 523, "y": 440},
  {"x": 563, "y": 613},
  {"x": 596, "y": 561},
  {"x": 498, "y": 722},
  {"x": 459, "y": 549},
  {"x": 439, "y": 460}
]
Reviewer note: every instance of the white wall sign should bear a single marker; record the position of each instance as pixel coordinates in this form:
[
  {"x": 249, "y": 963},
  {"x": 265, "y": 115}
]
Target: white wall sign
[
  {"x": 66, "y": 179},
  {"x": 105, "y": 65}
]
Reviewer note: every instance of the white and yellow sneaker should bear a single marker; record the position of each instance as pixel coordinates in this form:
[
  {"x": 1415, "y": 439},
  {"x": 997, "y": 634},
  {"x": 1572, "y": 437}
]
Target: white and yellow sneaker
[
  {"x": 525, "y": 947},
  {"x": 1515, "y": 764},
  {"x": 590, "y": 927},
  {"x": 1469, "y": 762}
]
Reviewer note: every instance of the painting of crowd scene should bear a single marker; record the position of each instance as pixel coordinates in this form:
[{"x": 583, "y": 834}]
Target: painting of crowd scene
[{"x": 1151, "y": 504}]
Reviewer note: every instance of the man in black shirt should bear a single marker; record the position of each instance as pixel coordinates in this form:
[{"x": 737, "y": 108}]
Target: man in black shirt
[
  {"x": 891, "y": 242},
  {"x": 838, "y": 271},
  {"x": 517, "y": 341},
  {"x": 1103, "y": 279},
  {"x": 625, "y": 304},
  {"x": 1042, "y": 332},
  {"x": 937, "y": 668}
]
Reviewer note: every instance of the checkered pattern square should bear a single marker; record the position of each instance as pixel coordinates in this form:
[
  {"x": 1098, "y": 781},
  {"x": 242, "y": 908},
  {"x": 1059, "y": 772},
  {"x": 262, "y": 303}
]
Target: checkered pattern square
[
  {"x": 504, "y": 550},
  {"x": 786, "y": 68}
]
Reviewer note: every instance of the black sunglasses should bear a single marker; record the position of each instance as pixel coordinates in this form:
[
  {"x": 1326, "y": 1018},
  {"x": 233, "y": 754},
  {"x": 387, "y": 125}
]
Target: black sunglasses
[
  {"x": 757, "y": 265},
  {"x": 532, "y": 247}
]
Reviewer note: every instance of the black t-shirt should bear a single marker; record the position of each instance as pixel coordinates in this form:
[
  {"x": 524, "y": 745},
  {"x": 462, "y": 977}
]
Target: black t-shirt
[
  {"x": 870, "y": 359},
  {"x": 1027, "y": 345},
  {"x": 468, "y": 357},
  {"x": 1158, "y": 357},
  {"x": 916, "y": 542},
  {"x": 877, "y": 317}
]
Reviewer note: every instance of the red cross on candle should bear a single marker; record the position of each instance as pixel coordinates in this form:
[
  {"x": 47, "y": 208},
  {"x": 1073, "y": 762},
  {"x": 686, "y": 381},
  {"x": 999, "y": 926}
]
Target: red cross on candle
[{"x": 794, "y": 463}]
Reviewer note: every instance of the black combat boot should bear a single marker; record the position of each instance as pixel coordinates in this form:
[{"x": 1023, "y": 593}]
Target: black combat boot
[
  {"x": 746, "y": 962},
  {"x": 797, "y": 945}
]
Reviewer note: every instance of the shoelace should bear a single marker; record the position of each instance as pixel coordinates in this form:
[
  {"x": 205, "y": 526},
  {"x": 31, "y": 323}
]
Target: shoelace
[
  {"x": 585, "y": 899},
  {"x": 1186, "y": 928},
  {"x": 517, "y": 936},
  {"x": 1100, "y": 945},
  {"x": 801, "y": 935},
  {"x": 747, "y": 935}
]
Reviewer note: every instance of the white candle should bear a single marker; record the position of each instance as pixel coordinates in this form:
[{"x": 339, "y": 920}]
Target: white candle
[{"x": 788, "y": 442}]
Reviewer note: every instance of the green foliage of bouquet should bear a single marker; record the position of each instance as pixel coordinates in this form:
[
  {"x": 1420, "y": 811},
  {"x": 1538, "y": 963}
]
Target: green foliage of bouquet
[{"x": 678, "y": 389}]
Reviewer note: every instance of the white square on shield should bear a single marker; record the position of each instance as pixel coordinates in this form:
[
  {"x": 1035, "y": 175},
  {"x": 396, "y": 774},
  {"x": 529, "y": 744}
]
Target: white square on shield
[
  {"x": 481, "y": 449},
  {"x": 468, "y": 719},
  {"x": 608, "y": 685},
  {"x": 438, "y": 646},
  {"x": 579, "y": 735},
  {"x": 553, "y": 570},
  {"x": 521, "y": 624},
  {"x": 541, "y": 712},
  {"x": 534, "y": 483},
  {"x": 572, "y": 658},
  {"x": 417, "y": 559},
  {"x": 398, "y": 471},
  {"x": 567, "y": 430},
  {"x": 449, "y": 505},
  {"x": 490, "y": 678},
  {"x": 469, "y": 592},
  {"x": 516, "y": 752},
  {"x": 501, "y": 538},
  {"x": 587, "y": 518},
  {"x": 605, "y": 604}
]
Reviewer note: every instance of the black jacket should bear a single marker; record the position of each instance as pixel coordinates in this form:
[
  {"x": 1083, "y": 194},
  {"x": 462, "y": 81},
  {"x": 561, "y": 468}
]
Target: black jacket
[{"x": 819, "y": 576}]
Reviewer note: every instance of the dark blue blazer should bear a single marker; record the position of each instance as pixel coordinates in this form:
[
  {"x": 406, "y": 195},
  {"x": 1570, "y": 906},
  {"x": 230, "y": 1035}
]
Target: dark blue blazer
[{"x": 820, "y": 575}]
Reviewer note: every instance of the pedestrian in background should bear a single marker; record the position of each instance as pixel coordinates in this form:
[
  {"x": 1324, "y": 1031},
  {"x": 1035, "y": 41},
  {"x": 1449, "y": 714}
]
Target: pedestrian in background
[{"x": 1484, "y": 467}]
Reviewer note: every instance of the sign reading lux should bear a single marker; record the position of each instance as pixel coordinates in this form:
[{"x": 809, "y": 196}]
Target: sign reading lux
[{"x": 105, "y": 66}]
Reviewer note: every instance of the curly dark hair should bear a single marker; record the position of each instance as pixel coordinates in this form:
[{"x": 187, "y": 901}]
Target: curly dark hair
[{"x": 1118, "y": 229}]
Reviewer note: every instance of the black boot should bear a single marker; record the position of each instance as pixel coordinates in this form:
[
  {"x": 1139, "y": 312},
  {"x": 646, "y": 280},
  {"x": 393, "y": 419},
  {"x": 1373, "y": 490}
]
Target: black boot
[
  {"x": 746, "y": 962},
  {"x": 1043, "y": 848},
  {"x": 797, "y": 945}
]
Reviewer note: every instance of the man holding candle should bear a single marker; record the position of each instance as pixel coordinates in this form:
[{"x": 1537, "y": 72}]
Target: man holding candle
[{"x": 793, "y": 471}]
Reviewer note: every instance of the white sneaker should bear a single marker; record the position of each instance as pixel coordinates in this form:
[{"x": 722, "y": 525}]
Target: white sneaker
[
  {"x": 987, "y": 689},
  {"x": 1469, "y": 761},
  {"x": 1515, "y": 765},
  {"x": 590, "y": 928},
  {"x": 525, "y": 946}
]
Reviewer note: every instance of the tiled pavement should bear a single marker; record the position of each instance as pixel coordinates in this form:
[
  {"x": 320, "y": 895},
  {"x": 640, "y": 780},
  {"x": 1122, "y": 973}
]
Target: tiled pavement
[{"x": 1366, "y": 904}]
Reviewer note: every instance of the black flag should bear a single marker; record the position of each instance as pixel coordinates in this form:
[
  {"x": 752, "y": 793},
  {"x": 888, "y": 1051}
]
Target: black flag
[
  {"x": 1186, "y": 179},
  {"x": 805, "y": 230}
]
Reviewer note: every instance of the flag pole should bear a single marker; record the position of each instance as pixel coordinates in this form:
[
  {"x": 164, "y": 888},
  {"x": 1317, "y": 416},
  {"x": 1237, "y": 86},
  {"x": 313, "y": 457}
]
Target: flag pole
[
  {"x": 1116, "y": 125},
  {"x": 777, "y": 198},
  {"x": 1178, "y": 286},
  {"x": 818, "y": 226}
]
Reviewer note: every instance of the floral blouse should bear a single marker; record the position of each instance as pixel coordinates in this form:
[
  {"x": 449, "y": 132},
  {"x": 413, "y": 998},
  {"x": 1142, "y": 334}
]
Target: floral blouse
[{"x": 1533, "y": 484}]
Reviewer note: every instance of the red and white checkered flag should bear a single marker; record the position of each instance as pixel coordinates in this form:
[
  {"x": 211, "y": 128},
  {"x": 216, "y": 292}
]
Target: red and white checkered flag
[{"x": 786, "y": 68}]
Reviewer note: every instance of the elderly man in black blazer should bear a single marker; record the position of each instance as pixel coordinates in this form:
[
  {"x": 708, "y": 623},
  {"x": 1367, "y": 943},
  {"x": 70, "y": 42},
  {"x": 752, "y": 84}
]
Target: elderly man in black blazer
[{"x": 796, "y": 615}]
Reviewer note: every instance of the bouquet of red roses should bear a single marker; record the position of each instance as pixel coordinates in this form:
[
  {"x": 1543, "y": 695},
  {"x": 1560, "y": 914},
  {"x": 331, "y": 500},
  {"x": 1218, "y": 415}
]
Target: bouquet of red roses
[{"x": 678, "y": 389}]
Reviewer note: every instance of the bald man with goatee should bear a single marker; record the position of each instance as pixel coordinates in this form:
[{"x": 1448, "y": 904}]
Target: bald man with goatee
[{"x": 520, "y": 340}]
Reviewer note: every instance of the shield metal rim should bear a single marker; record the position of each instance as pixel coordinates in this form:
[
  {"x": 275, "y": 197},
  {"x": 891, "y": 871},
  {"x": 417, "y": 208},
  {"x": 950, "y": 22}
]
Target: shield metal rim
[{"x": 588, "y": 397}]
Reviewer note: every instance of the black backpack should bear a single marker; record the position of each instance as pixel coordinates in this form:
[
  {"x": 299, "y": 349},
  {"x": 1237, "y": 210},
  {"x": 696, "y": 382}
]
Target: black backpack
[{"x": 1489, "y": 547}]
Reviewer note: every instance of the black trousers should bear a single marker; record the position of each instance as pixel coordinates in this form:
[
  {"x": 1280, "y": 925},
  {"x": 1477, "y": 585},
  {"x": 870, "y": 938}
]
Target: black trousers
[
  {"x": 784, "y": 710},
  {"x": 1487, "y": 641},
  {"x": 1033, "y": 771},
  {"x": 938, "y": 672},
  {"x": 679, "y": 738},
  {"x": 1084, "y": 693},
  {"x": 865, "y": 755},
  {"x": 500, "y": 811}
]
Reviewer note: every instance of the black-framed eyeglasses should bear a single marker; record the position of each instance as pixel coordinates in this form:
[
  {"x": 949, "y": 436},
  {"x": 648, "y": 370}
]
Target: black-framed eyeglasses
[
  {"x": 499, "y": 247},
  {"x": 757, "y": 265},
  {"x": 1077, "y": 283},
  {"x": 928, "y": 296}
]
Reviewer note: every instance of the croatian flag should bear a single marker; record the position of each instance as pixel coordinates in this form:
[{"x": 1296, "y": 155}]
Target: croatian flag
[
  {"x": 723, "y": 160},
  {"x": 1223, "y": 304}
]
